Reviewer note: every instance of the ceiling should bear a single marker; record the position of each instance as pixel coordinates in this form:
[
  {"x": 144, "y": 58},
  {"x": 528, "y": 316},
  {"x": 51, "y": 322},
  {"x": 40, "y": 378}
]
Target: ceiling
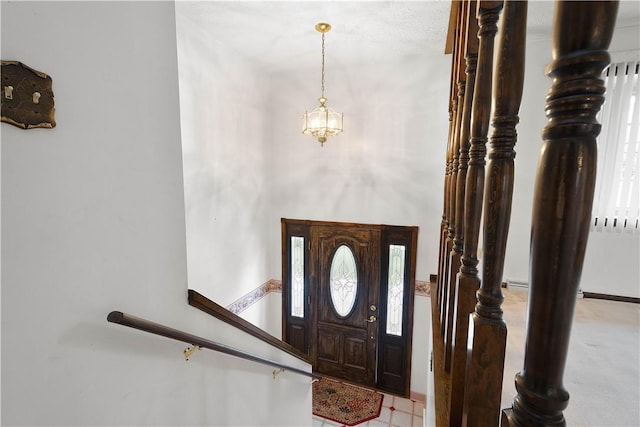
[{"x": 275, "y": 33}]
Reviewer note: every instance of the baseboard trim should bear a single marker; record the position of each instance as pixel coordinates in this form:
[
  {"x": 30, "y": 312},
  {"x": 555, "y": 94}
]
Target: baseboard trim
[
  {"x": 246, "y": 301},
  {"x": 610, "y": 297},
  {"x": 418, "y": 397},
  {"x": 422, "y": 289}
]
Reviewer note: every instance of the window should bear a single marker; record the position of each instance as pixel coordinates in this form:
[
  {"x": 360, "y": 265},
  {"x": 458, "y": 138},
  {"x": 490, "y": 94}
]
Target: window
[
  {"x": 616, "y": 206},
  {"x": 297, "y": 276},
  {"x": 343, "y": 281},
  {"x": 395, "y": 289}
]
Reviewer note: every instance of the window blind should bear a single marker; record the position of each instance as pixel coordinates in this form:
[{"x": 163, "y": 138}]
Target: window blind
[{"x": 617, "y": 194}]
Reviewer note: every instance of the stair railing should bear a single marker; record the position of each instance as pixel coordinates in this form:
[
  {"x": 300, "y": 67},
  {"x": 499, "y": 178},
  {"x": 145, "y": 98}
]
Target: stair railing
[
  {"x": 165, "y": 331},
  {"x": 469, "y": 342}
]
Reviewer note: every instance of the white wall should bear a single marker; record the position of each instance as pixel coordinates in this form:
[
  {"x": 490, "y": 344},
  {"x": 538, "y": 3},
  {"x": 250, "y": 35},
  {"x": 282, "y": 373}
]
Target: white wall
[
  {"x": 387, "y": 167},
  {"x": 266, "y": 314},
  {"x": 93, "y": 220},
  {"x": 421, "y": 345},
  {"x": 611, "y": 264},
  {"x": 225, "y": 142},
  {"x": 246, "y": 163}
]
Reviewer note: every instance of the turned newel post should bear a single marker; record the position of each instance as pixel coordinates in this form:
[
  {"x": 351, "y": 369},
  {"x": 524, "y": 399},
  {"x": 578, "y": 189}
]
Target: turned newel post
[{"x": 562, "y": 206}]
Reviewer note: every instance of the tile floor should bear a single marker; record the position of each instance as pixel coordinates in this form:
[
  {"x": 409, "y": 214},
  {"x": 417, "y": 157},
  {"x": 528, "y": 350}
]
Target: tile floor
[{"x": 396, "y": 412}]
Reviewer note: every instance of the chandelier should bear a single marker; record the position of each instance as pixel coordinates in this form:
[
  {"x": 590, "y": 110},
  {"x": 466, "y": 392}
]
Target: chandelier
[{"x": 322, "y": 122}]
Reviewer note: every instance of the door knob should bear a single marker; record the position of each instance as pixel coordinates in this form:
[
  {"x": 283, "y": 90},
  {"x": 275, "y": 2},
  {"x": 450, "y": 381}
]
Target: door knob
[{"x": 371, "y": 319}]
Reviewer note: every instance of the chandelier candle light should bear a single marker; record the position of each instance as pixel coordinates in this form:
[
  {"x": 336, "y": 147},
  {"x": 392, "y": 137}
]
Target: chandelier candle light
[{"x": 322, "y": 122}]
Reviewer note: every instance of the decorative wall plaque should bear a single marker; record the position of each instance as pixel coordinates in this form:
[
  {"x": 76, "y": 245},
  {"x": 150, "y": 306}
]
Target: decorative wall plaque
[{"x": 26, "y": 97}]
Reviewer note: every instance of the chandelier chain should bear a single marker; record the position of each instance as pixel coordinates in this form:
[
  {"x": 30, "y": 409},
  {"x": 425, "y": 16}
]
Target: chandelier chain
[{"x": 322, "y": 77}]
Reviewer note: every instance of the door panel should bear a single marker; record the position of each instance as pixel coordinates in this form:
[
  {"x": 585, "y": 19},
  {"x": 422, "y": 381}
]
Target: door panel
[
  {"x": 392, "y": 360},
  {"x": 328, "y": 347},
  {"x": 355, "y": 355},
  {"x": 346, "y": 333},
  {"x": 298, "y": 337}
]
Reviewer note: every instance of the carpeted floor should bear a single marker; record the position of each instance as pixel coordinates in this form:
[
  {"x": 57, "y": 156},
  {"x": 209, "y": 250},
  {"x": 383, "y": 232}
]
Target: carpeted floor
[
  {"x": 345, "y": 403},
  {"x": 602, "y": 374}
]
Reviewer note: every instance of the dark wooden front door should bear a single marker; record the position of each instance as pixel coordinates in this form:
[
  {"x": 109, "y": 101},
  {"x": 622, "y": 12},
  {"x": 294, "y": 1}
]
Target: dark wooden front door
[
  {"x": 348, "y": 299},
  {"x": 346, "y": 304}
]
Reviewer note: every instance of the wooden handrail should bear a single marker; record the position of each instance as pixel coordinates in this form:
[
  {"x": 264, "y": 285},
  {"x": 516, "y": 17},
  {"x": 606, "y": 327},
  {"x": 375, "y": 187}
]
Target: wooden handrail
[
  {"x": 203, "y": 303},
  {"x": 165, "y": 331}
]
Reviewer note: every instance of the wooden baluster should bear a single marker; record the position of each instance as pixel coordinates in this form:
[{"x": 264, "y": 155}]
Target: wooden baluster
[
  {"x": 450, "y": 189},
  {"x": 468, "y": 280},
  {"x": 488, "y": 12},
  {"x": 444, "y": 249},
  {"x": 454, "y": 258},
  {"x": 445, "y": 232},
  {"x": 439, "y": 304},
  {"x": 442, "y": 265},
  {"x": 465, "y": 297},
  {"x": 486, "y": 359},
  {"x": 445, "y": 209},
  {"x": 562, "y": 206},
  {"x": 445, "y": 221}
]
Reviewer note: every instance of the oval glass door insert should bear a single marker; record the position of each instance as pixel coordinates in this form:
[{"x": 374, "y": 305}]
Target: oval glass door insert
[{"x": 343, "y": 281}]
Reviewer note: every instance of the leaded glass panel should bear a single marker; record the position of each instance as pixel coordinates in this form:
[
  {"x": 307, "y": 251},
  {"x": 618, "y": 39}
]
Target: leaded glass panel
[
  {"x": 395, "y": 289},
  {"x": 343, "y": 281},
  {"x": 297, "y": 276}
]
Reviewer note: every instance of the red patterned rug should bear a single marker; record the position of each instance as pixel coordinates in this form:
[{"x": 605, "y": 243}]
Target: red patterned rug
[{"x": 345, "y": 403}]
